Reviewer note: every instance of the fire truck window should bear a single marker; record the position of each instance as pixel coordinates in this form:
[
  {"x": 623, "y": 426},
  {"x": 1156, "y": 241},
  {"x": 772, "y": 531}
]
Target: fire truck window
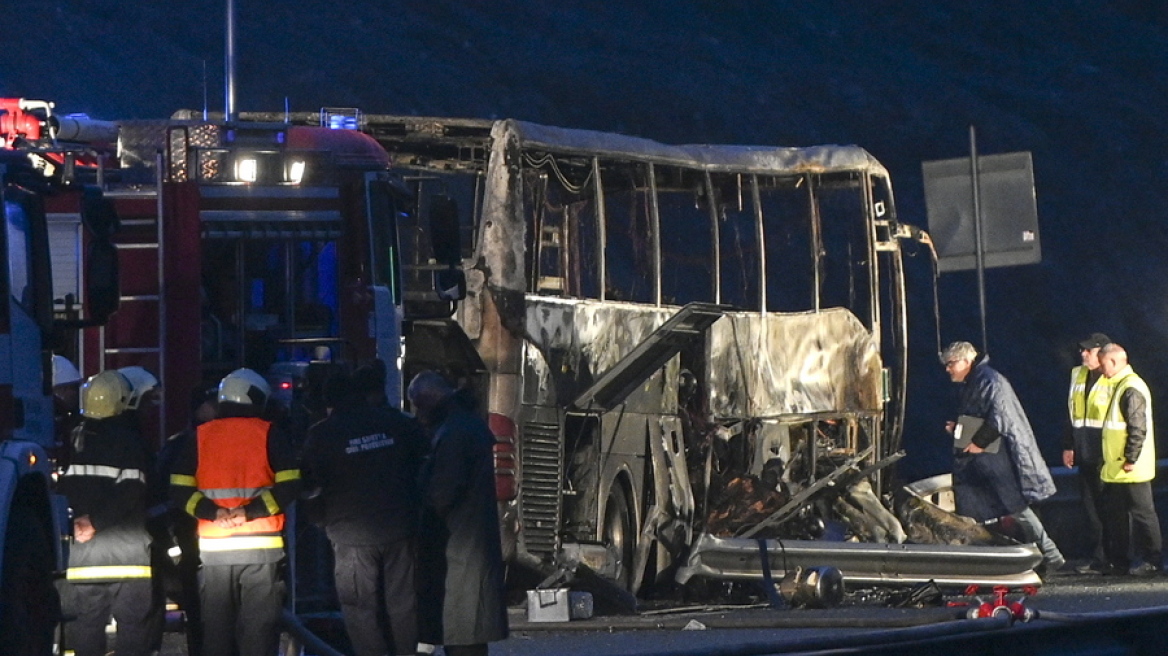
[
  {"x": 18, "y": 257},
  {"x": 383, "y": 219},
  {"x": 738, "y": 234},
  {"x": 687, "y": 239},
  {"x": 628, "y": 251},
  {"x": 288, "y": 290}
]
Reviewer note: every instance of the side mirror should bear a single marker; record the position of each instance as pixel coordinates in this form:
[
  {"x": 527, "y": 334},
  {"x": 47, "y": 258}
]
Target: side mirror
[
  {"x": 101, "y": 280},
  {"x": 445, "y": 240},
  {"x": 98, "y": 213},
  {"x": 102, "y": 292}
]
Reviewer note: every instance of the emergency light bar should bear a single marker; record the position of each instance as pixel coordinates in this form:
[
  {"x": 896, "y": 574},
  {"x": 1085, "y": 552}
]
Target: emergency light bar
[{"x": 340, "y": 118}]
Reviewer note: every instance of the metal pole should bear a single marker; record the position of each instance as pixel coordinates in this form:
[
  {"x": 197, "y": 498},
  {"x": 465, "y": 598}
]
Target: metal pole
[
  {"x": 229, "y": 61},
  {"x": 977, "y": 232}
]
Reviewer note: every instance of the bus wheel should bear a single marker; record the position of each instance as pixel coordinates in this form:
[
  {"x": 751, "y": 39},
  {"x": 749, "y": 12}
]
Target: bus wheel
[
  {"x": 618, "y": 534},
  {"x": 29, "y": 605}
]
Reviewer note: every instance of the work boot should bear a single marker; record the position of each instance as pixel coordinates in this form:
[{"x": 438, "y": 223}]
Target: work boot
[
  {"x": 1145, "y": 570},
  {"x": 1093, "y": 567}
]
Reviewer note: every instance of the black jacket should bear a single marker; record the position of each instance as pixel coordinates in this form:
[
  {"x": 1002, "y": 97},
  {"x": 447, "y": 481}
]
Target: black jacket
[
  {"x": 361, "y": 463},
  {"x": 106, "y": 481}
]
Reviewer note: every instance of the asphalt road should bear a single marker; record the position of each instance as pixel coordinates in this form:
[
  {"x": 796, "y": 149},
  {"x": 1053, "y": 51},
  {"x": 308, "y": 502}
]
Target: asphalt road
[{"x": 857, "y": 626}]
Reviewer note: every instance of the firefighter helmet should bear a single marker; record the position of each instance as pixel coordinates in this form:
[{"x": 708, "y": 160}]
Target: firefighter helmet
[
  {"x": 64, "y": 373},
  {"x": 105, "y": 395},
  {"x": 141, "y": 383},
  {"x": 245, "y": 387}
]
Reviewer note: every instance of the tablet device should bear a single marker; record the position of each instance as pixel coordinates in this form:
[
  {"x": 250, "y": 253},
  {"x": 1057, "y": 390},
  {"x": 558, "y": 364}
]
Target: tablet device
[{"x": 968, "y": 426}]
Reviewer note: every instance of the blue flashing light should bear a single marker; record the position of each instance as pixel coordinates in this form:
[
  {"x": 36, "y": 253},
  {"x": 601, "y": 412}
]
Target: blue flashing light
[{"x": 338, "y": 122}]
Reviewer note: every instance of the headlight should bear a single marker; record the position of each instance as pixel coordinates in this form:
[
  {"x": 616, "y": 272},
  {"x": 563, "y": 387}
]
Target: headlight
[
  {"x": 246, "y": 169},
  {"x": 296, "y": 171}
]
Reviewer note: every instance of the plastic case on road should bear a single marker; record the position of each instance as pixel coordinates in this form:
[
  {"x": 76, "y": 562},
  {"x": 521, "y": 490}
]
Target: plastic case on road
[{"x": 558, "y": 605}]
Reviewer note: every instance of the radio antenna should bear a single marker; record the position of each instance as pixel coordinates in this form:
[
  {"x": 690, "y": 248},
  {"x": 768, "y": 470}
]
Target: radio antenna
[
  {"x": 204, "y": 89},
  {"x": 229, "y": 62}
]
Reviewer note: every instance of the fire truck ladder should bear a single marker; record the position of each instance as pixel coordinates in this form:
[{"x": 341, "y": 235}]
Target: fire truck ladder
[{"x": 135, "y": 332}]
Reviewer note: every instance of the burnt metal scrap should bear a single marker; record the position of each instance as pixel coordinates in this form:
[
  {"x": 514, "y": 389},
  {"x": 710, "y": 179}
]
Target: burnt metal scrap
[
  {"x": 864, "y": 563},
  {"x": 918, "y": 544}
]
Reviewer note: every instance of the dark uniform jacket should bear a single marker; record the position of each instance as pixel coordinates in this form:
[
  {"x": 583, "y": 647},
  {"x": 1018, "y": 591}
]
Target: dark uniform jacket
[
  {"x": 106, "y": 481},
  {"x": 991, "y": 485},
  {"x": 364, "y": 460},
  {"x": 458, "y": 481}
]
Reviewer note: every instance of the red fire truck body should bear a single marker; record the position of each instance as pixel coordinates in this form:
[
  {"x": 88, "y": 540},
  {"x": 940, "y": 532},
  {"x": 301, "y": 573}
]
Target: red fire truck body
[{"x": 245, "y": 245}]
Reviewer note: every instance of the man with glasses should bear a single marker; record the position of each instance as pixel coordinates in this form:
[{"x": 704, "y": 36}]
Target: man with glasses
[
  {"x": 1087, "y": 403},
  {"x": 1000, "y": 471}
]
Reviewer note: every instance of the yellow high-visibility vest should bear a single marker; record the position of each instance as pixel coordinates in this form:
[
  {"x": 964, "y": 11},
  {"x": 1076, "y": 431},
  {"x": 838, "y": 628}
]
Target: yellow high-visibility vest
[
  {"x": 1087, "y": 409},
  {"x": 1115, "y": 434}
]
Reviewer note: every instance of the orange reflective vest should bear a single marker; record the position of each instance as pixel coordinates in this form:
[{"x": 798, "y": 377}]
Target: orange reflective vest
[{"x": 234, "y": 469}]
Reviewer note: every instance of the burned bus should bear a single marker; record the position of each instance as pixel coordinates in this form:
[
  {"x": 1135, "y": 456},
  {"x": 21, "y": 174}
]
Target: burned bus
[
  {"x": 649, "y": 325},
  {"x": 681, "y": 349}
]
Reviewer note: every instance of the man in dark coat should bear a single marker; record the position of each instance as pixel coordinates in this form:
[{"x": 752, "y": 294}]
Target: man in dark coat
[
  {"x": 460, "y": 521},
  {"x": 990, "y": 484},
  {"x": 361, "y": 465}
]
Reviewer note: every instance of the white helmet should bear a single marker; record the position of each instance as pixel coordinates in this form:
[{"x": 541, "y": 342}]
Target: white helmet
[
  {"x": 245, "y": 387},
  {"x": 64, "y": 373},
  {"x": 141, "y": 382},
  {"x": 105, "y": 395}
]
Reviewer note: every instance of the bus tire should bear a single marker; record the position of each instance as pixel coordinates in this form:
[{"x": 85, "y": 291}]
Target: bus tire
[
  {"x": 29, "y": 604},
  {"x": 619, "y": 533}
]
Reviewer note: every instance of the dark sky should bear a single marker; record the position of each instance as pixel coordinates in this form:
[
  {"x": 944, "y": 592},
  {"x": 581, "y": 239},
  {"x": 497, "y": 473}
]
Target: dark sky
[{"x": 1082, "y": 85}]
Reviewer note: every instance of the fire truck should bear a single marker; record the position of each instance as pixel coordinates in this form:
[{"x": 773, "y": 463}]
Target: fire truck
[
  {"x": 33, "y": 177},
  {"x": 232, "y": 244}
]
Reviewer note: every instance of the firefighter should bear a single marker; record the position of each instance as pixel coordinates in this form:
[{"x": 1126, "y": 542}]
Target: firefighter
[
  {"x": 237, "y": 478},
  {"x": 361, "y": 464},
  {"x": 109, "y": 572}
]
